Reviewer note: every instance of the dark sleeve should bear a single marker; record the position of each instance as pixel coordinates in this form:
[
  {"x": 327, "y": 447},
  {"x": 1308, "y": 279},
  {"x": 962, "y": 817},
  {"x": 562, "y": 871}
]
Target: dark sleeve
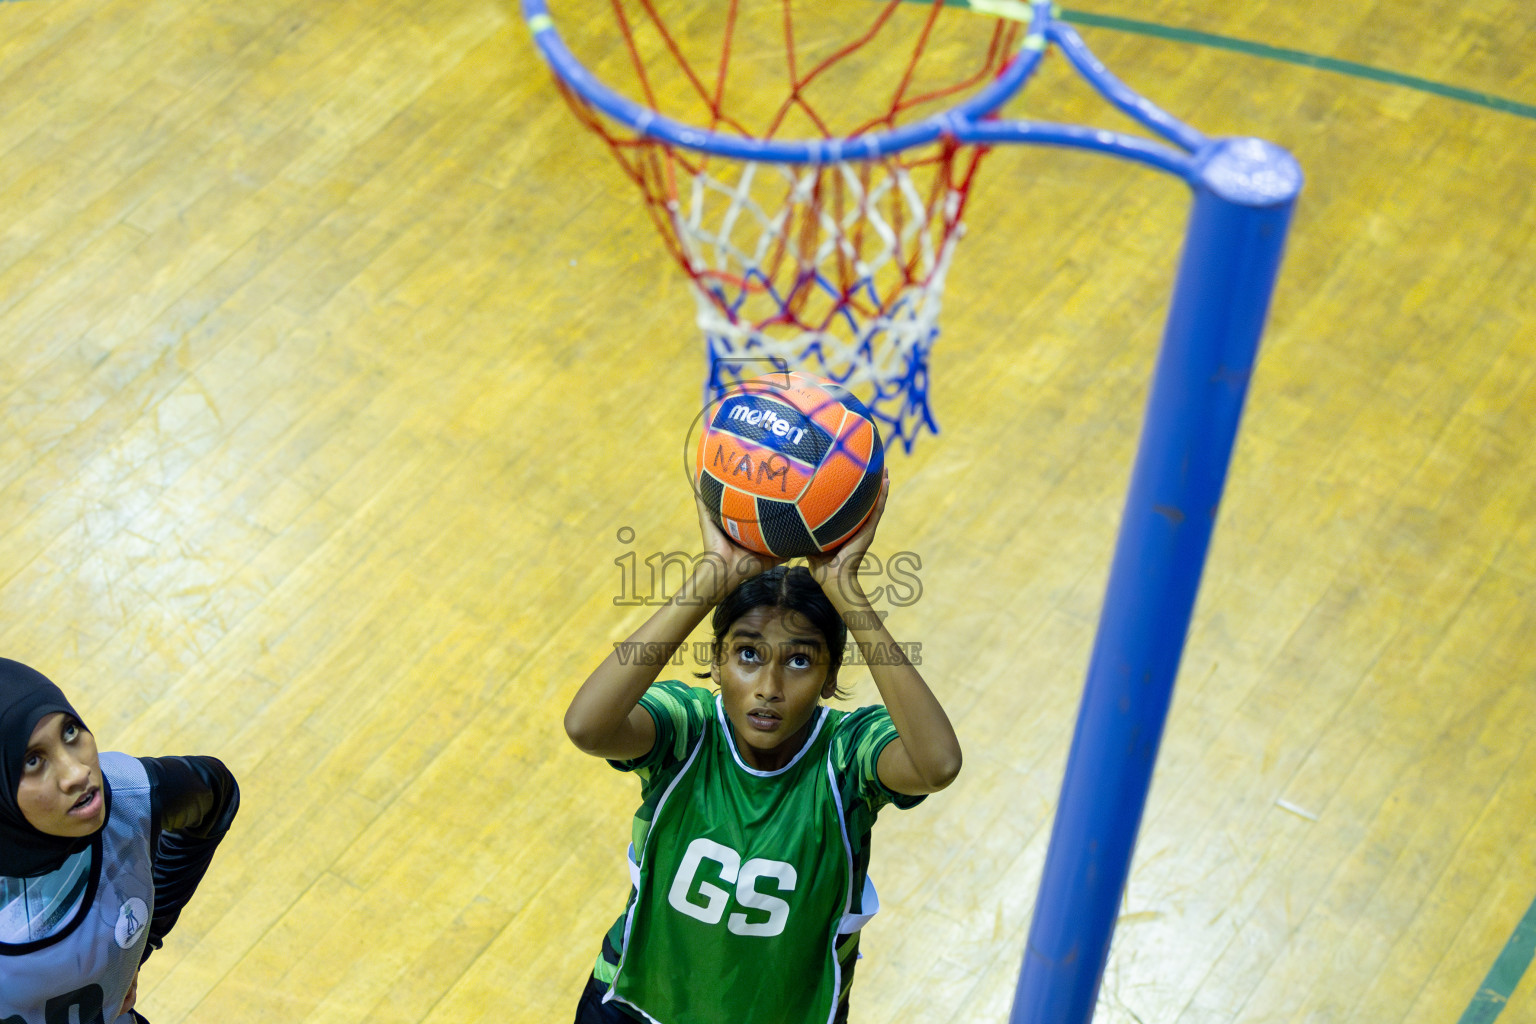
[{"x": 193, "y": 802}]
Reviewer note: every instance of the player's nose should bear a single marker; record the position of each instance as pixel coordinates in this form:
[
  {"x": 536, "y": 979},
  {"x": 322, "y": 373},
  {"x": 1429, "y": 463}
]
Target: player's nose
[
  {"x": 76, "y": 775},
  {"x": 770, "y": 684}
]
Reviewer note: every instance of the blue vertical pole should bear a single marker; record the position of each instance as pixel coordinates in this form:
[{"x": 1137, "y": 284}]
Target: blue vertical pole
[{"x": 1245, "y": 190}]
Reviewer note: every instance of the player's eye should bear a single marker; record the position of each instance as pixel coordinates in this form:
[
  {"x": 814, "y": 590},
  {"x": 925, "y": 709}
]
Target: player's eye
[
  {"x": 800, "y": 661},
  {"x": 71, "y": 732},
  {"x": 32, "y": 763},
  {"x": 747, "y": 653}
]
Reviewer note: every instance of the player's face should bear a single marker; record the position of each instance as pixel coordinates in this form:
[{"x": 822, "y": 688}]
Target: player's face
[
  {"x": 60, "y": 792},
  {"x": 772, "y": 673}
]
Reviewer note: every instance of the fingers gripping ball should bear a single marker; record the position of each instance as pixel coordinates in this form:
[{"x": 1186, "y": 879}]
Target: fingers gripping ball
[{"x": 788, "y": 464}]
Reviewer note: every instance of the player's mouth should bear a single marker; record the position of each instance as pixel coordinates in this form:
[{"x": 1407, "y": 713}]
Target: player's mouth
[
  {"x": 764, "y": 720},
  {"x": 88, "y": 804}
]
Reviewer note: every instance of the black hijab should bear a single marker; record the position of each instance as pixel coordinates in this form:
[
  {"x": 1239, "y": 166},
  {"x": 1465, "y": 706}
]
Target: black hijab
[{"x": 26, "y": 698}]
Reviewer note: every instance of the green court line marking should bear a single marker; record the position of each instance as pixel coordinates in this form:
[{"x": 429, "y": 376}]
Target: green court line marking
[
  {"x": 1280, "y": 53},
  {"x": 1311, "y": 60},
  {"x": 1505, "y": 973}
]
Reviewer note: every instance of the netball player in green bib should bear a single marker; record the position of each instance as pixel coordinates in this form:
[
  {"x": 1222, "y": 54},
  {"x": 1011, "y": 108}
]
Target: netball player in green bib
[{"x": 750, "y": 851}]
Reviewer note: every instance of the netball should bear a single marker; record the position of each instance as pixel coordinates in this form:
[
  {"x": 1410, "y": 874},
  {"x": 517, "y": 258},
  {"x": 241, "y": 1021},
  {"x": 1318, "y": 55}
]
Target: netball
[{"x": 788, "y": 464}]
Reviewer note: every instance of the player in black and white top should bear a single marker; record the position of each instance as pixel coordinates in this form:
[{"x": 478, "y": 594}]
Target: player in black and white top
[{"x": 98, "y": 855}]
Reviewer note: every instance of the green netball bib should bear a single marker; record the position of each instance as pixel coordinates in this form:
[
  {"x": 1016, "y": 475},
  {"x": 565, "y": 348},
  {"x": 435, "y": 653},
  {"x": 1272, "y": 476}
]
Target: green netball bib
[{"x": 743, "y": 882}]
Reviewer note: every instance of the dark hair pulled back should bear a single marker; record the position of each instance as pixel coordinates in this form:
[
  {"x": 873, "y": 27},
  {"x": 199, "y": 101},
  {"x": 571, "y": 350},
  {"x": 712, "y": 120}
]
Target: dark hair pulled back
[{"x": 792, "y": 588}]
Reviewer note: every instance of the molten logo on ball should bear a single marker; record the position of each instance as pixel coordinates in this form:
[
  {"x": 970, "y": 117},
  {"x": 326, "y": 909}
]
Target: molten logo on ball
[{"x": 770, "y": 421}]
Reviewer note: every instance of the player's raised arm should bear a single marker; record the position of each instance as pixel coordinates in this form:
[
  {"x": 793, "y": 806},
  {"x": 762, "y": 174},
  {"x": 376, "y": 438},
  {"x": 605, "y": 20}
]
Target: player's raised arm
[
  {"x": 605, "y": 718},
  {"x": 925, "y": 756}
]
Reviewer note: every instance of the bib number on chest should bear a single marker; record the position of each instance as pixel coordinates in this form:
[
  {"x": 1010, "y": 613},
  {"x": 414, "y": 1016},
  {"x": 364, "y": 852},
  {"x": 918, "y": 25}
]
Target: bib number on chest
[
  {"x": 82, "y": 1006},
  {"x": 695, "y": 891}
]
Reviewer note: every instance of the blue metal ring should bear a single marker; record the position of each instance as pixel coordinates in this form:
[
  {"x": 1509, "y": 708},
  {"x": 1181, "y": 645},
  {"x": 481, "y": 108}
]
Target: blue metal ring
[{"x": 966, "y": 122}]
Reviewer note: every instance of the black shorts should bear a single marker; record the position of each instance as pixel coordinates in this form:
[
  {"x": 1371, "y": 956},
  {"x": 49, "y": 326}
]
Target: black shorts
[{"x": 592, "y": 1009}]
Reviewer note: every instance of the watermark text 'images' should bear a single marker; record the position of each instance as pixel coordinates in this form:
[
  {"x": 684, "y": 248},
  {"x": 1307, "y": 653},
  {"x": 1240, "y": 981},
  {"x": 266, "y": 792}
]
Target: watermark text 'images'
[{"x": 656, "y": 578}]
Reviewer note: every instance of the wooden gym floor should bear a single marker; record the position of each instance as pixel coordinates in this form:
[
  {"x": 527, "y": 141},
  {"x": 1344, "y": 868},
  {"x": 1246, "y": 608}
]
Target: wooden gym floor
[{"x": 335, "y": 358}]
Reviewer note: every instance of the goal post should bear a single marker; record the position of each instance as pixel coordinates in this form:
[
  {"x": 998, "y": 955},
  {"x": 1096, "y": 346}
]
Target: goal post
[{"x": 1244, "y": 194}]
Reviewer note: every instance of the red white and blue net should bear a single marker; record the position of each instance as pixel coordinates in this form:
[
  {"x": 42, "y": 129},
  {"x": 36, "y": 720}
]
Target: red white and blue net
[{"x": 835, "y": 265}]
